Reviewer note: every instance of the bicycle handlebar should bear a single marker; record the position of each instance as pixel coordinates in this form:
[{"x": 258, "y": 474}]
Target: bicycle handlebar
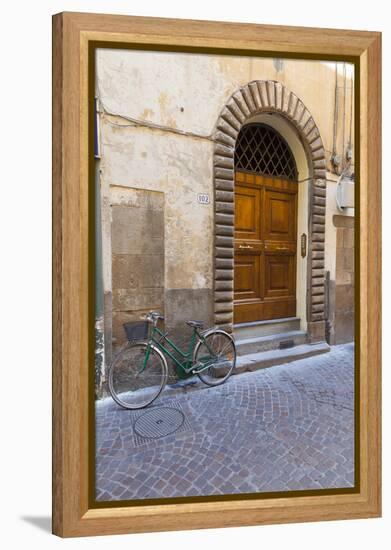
[{"x": 153, "y": 317}]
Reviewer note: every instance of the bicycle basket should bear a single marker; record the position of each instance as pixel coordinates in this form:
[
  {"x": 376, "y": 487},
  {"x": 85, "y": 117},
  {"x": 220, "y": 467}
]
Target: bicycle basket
[{"x": 136, "y": 331}]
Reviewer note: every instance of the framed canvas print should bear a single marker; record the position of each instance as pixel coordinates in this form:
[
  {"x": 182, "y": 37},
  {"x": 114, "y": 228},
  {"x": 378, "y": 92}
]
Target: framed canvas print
[{"x": 216, "y": 269}]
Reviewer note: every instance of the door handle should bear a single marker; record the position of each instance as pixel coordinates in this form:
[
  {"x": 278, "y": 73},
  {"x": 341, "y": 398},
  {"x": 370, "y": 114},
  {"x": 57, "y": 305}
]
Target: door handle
[
  {"x": 245, "y": 246},
  {"x": 282, "y": 248}
]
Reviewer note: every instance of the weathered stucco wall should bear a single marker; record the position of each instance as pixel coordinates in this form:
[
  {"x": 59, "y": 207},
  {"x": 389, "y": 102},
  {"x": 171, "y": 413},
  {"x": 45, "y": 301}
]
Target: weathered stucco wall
[
  {"x": 187, "y": 91},
  {"x": 157, "y": 116}
]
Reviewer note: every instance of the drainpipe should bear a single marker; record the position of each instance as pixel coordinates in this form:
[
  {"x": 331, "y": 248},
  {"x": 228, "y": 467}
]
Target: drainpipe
[
  {"x": 335, "y": 158},
  {"x": 328, "y": 323}
]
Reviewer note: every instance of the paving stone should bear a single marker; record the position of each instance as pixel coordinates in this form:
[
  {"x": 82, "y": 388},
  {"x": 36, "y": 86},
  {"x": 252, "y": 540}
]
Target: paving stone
[{"x": 289, "y": 427}]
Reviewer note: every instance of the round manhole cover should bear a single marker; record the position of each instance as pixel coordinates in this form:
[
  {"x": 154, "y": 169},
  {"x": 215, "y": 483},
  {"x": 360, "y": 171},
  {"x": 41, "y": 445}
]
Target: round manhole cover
[{"x": 159, "y": 422}]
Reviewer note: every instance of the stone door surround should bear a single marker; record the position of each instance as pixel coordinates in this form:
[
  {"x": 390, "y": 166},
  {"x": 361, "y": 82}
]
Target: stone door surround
[{"x": 267, "y": 96}]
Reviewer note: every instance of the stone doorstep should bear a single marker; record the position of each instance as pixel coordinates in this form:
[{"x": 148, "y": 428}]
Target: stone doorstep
[
  {"x": 265, "y": 343},
  {"x": 258, "y": 329},
  {"x": 260, "y": 360}
]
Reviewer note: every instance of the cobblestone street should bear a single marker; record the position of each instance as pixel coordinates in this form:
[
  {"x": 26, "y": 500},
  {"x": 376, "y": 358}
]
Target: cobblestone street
[{"x": 284, "y": 428}]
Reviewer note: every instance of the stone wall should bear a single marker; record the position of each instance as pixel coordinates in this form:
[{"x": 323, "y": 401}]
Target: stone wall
[
  {"x": 343, "y": 315},
  {"x": 137, "y": 242}
]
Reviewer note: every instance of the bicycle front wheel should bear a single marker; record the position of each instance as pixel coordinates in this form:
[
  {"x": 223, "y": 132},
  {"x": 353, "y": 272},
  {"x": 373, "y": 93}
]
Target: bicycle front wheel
[
  {"x": 215, "y": 357},
  {"x": 137, "y": 376}
]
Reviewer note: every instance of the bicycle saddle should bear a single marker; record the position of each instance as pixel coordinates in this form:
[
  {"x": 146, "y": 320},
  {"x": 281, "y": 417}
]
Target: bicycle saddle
[{"x": 198, "y": 324}]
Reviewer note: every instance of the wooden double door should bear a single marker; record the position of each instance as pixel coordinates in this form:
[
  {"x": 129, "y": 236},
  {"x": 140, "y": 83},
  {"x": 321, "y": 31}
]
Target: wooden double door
[{"x": 265, "y": 247}]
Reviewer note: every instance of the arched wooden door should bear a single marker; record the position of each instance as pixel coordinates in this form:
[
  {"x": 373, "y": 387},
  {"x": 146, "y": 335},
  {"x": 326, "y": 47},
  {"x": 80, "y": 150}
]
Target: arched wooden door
[{"x": 265, "y": 226}]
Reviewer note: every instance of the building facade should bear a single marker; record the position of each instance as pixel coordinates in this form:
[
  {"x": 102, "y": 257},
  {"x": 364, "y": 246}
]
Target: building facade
[{"x": 224, "y": 194}]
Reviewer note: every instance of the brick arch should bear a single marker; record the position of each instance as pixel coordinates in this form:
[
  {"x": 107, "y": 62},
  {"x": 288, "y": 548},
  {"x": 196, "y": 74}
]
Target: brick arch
[{"x": 257, "y": 97}]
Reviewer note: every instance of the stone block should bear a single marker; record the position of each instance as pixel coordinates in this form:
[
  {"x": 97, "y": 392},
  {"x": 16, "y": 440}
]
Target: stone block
[
  {"x": 157, "y": 228},
  {"x": 321, "y": 202},
  {"x": 318, "y": 218},
  {"x": 134, "y": 230},
  {"x": 225, "y": 241},
  {"x": 339, "y": 239},
  {"x": 236, "y": 112},
  {"x": 224, "y": 196},
  {"x": 224, "y": 230},
  {"x": 224, "y": 139},
  {"x": 309, "y": 127},
  {"x": 137, "y": 271},
  {"x": 224, "y": 285},
  {"x": 224, "y": 185},
  {"x": 292, "y": 105},
  {"x": 348, "y": 259},
  {"x": 125, "y": 299},
  {"x": 344, "y": 327},
  {"x": 345, "y": 254},
  {"x": 223, "y": 161},
  {"x": 316, "y": 331},
  {"x": 224, "y": 274},
  {"x": 279, "y": 93},
  {"x": 226, "y": 128},
  {"x": 249, "y": 99},
  {"x": 255, "y": 94},
  {"x": 317, "y": 316},
  {"x": 225, "y": 207},
  {"x": 223, "y": 150},
  {"x": 319, "y": 228},
  {"x": 318, "y": 298},
  {"x": 320, "y": 163},
  {"x": 230, "y": 119},
  {"x": 343, "y": 277},
  {"x": 223, "y": 319},
  {"x": 348, "y": 238},
  {"x": 344, "y": 297},
  {"x": 136, "y": 198},
  {"x": 225, "y": 305},
  {"x": 340, "y": 253},
  {"x": 312, "y": 134},
  {"x": 224, "y": 219},
  {"x": 224, "y": 173},
  {"x": 299, "y": 111},
  {"x": 343, "y": 221},
  {"x": 271, "y": 92},
  {"x": 225, "y": 296},
  {"x": 241, "y": 103}
]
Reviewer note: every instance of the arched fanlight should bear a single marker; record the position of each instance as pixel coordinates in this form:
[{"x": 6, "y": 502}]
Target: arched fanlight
[{"x": 261, "y": 149}]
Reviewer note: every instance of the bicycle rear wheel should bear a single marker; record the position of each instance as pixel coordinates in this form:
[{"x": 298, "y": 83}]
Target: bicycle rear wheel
[
  {"x": 135, "y": 380},
  {"x": 218, "y": 354}
]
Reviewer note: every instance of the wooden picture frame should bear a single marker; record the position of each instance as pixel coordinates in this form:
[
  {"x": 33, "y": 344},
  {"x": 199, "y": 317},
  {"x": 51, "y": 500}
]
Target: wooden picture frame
[{"x": 72, "y": 35}]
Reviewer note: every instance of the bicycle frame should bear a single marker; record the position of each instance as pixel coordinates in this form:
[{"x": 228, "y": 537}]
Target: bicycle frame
[{"x": 158, "y": 338}]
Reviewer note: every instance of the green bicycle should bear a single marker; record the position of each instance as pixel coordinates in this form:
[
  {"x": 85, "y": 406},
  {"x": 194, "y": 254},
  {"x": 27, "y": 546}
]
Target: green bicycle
[{"x": 139, "y": 372}]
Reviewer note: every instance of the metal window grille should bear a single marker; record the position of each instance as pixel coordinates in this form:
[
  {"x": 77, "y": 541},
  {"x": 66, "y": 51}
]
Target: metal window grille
[{"x": 261, "y": 149}]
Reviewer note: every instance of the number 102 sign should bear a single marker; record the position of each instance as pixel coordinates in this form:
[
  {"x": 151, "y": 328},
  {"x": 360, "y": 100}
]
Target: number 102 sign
[{"x": 203, "y": 198}]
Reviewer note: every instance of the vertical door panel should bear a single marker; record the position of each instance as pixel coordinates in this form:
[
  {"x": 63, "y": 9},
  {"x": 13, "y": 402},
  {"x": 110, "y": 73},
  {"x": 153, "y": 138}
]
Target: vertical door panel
[{"x": 265, "y": 248}]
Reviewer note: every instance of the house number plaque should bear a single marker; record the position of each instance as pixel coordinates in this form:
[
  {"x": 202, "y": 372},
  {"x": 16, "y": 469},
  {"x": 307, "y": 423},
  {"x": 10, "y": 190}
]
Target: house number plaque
[{"x": 203, "y": 198}]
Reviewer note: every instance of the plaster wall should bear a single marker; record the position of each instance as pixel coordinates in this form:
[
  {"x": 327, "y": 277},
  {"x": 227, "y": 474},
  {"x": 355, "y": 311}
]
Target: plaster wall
[
  {"x": 157, "y": 116},
  {"x": 187, "y": 91}
]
